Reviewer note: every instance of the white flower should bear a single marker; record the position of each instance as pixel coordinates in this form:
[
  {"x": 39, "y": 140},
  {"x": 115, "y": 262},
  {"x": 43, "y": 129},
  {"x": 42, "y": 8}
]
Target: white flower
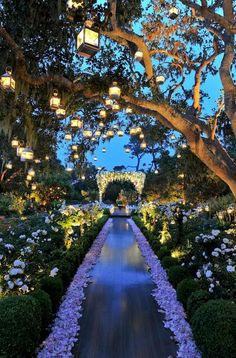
[
  {"x": 208, "y": 273},
  {"x": 24, "y": 288},
  {"x": 47, "y": 220},
  {"x": 54, "y": 272},
  {"x": 230, "y": 268},
  {"x": 10, "y": 284},
  {"x": 225, "y": 240},
  {"x": 215, "y": 232}
]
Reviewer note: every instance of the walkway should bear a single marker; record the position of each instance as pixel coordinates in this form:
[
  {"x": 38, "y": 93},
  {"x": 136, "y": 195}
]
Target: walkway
[{"x": 120, "y": 317}]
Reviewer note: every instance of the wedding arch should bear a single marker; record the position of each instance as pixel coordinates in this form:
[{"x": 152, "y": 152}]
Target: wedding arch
[{"x": 104, "y": 178}]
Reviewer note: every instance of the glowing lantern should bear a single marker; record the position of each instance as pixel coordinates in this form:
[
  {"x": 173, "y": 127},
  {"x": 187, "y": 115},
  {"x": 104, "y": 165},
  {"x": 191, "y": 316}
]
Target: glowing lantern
[
  {"x": 37, "y": 161},
  {"x": 101, "y": 124},
  {"x": 83, "y": 177},
  {"x": 114, "y": 91},
  {"x": 133, "y": 131},
  {"x": 69, "y": 167},
  {"x": 173, "y": 13},
  {"x": 160, "y": 80},
  {"x": 55, "y": 101},
  {"x": 127, "y": 150},
  {"x": 108, "y": 103},
  {"x": 143, "y": 145},
  {"x": 103, "y": 113},
  {"x": 104, "y": 136},
  {"x": 19, "y": 150},
  {"x": 76, "y": 122},
  {"x": 184, "y": 146},
  {"x": 74, "y": 147},
  {"x": 27, "y": 154},
  {"x": 178, "y": 156},
  {"x": 60, "y": 112},
  {"x": 46, "y": 158},
  {"x": 181, "y": 176},
  {"x": 9, "y": 165},
  {"x": 76, "y": 156},
  {"x": 172, "y": 137},
  {"x": 15, "y": 143},
  {"x": 141, "y": 136},
  {"x": 93, "y": 139},
  {"x": 31, "y": 172},
  {"x": 33, "y": 187},
  {"x": 156, "y": 171},
  {"x": 138, "y": 130},
  {"x": 99, "y": 168},
  {"x": 7, "y": 83},
  {"x": 97, "y": 133},
  {"x": 87, "y": 133},
  {"x": 129, "y": 110},
  {"x": 110, "y": 133},
  {"x": 115, "y": 107},
  {"x": 28, "y": 177},
  {"x": 104, "y": 150},
  {"x": 68, "y": 136},
  {"x": 88, "y": 42},
  {"x": 95, "y": 158},
  {"x": 120, "y": 133},
  {"x": 138, "y": 56}
]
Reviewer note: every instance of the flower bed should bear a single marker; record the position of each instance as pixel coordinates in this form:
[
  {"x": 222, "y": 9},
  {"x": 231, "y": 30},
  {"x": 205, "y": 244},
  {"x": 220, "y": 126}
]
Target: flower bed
[
  {"x": 65, "y": 328},
  {"x": 165, "y": 296}
]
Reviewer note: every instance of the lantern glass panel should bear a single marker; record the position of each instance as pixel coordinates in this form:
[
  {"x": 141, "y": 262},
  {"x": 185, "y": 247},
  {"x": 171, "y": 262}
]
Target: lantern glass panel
[
  {"x": 87, "y": 134},
  {"x": 55, "y": 101},
  {"x": 14, "y": 143},
  {"x": 88, "y": 42},
  {"x": 7, "y": 82},
  {"x": 68, "y": 136},
  {"x": 114, "y": 91},
  {"x": 76, "y": 123},
  {"x": 60, "y": 112},
  {"x": 97, "y": 133},
  {"x": 27, "y": 154}
]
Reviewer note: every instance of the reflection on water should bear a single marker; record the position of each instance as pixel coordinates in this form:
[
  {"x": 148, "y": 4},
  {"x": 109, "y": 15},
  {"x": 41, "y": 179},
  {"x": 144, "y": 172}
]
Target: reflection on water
[{"x": 120, "y": 318}]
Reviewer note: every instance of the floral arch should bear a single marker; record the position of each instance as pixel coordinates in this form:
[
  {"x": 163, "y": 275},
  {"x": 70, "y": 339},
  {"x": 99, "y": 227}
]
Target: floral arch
[{"x": 104, "y": 178}]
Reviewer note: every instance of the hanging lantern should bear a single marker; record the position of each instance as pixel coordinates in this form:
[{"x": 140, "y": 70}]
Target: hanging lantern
[
  {"x": 87, "y": 133},
  {"x": 133, "y": 131},
  {"x": 114, "y": 91},
  {"x": 120, "y": 133},
  {"x": 27, "y": 154},
  {"x": 173, "y": 13},
  {"x": 108, "y": 103},
  {"x": 46, "y": 157},
  {"x": 178, "y": 156},
  {"x": 129, "y": 110},
  {"x": 138, "y": 130},
  {"x": 97, "y": 133},
  {"x": 31, "y": 172},
  {"x": 138, "y": 56},
  {"x": 181, "y": 176},
  {"x": 76, "y": 122},
  {"x": 172, "y": 137},
  {"x": 99, "y": 168},
  {"x": 69, "y": 167},
  {"x": 74, "y": 147},
  {"x": 28, "y": 177},
  {"x": 68, "y": 136},
  {"x": 93, "y": 139},
  {"x": 184, "y": 146},
  {"x": 82, "y": 177},
  {"x": 115, "y": 107},
  {"x": 60, "y": 112},
  {"x": 95, "y": 158},
  {"x": 101, "y": 124},
  {"x": 7, "y": 83},
  {"x": 104, "y": 150},
  {"x": 88, "y": 42},
  {"x": 76, "y": 156},
  {"x": 104, "y": 136},
  {"x": 143, "y": 145},
  {"x": 19, "y": 151},
  {"x": 156, "y": 171},
  {"x": 37, "y": 161},
  {"x": 127, "y": 149},
  {"x": 55, "y": 101},
  {"x": 8, "y": 165},
  {"x": 15, "y": 143},
  {"x": 33, "y": 187},
  {"x": 160, "y": 80},
  {"x": 103, "y": 113},
  {"x": 72, "y": 8},
  {"x": 110, "y": 133},
  {"x": 141, "y": 136}
]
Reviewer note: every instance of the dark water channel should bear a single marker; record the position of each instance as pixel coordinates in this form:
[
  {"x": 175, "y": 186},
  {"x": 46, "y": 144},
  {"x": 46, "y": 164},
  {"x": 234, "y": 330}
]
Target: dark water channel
[{"x": 120, "y": 317}]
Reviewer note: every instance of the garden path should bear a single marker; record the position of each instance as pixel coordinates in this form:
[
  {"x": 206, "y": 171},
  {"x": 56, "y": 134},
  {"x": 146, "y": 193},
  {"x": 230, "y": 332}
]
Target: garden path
[{"x": 120, "y": 317}]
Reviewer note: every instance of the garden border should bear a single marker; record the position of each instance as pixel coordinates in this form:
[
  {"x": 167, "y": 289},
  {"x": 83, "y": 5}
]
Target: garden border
[
  {"x": 60, "y": 342},
  {"x": 165, "y": 295}
]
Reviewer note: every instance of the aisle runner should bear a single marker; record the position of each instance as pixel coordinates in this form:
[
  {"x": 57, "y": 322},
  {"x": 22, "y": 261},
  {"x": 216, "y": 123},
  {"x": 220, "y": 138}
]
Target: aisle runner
[
  {"x": 65, "y": 329},
  {"x": 165, "y": 296}
]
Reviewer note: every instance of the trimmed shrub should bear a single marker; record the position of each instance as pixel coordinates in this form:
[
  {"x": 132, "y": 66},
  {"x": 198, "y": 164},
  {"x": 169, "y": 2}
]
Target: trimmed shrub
[
  {"x": 196, "y": 299},
  {"x": 54, "y": 287},
  {"x": 185, "y": 288},
  {"x": 168, "y": 262},
  {"x": 164, "y": 251},
  {"x": 46, "y": 307},
  {"x": 20, "y": 326},
  {"x": 177, "y": 273},
  {"x": 214, "y": 329}
]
